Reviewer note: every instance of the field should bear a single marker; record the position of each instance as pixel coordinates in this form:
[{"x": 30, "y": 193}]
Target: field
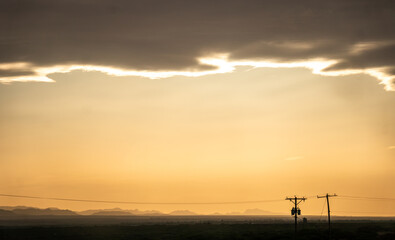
[{"x": 193, "y": 228}]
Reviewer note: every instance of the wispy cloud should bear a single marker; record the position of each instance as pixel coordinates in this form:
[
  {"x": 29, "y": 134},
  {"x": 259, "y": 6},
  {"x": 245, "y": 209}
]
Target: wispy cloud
[{"x": 391, "y": 147}]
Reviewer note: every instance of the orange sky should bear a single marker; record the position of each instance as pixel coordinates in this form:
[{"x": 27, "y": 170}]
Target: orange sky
[{"x": 248, "y": 135}]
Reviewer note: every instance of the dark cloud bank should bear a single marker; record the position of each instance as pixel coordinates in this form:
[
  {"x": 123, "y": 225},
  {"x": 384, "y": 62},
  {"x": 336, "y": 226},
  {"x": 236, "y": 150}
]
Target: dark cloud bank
[{"x": 170, "y": 35}]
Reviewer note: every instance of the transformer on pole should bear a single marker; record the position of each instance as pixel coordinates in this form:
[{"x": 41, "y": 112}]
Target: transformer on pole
[{"x": 296, "y": 210}]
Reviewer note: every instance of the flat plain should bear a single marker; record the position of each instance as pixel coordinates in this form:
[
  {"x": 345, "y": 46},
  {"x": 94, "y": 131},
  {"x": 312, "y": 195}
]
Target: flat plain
[{"x": 192, "y": 227}]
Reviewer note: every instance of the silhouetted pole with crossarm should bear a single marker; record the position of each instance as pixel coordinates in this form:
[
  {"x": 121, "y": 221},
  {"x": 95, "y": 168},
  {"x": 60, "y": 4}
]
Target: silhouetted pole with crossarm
[
  {"x": 295, "y": 210},
  {"x": 327, "y": 196}
]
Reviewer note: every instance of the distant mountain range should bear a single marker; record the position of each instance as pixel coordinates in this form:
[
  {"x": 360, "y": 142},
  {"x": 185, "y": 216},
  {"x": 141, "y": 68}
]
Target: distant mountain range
[
  {"x": 111, "y": 213},
  {"x": 119, "y": 211},
  {"x": 23, "y": 210}
]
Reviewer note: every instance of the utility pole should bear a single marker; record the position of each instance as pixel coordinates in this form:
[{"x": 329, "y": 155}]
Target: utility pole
[
  {"x": 327, "y": 196},
  {"x": 295, "y": 210}
]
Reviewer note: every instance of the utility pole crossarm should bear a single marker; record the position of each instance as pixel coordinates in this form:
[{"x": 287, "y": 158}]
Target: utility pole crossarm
[
  {"x": 293, "y": 198},
  {"x": 297, "y": 199},
  {"x": 324, "y": 196}
]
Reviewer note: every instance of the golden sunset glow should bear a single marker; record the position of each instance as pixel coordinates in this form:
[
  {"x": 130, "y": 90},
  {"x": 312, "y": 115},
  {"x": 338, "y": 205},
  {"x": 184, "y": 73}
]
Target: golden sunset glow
[
  {"x": 210, "y": 107},
  {"x": 238, "y": 136}
]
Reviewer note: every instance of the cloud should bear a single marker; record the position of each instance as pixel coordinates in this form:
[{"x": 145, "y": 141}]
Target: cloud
[
  {"x": 165, "y": 38},
  {"x": 391, "y": 147}
]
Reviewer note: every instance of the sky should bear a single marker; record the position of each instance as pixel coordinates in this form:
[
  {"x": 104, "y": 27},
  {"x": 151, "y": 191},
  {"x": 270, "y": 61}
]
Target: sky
[{"x": 204, "y": 101}]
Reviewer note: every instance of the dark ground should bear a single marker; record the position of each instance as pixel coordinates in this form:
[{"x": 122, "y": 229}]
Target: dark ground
[{"x": 218, "y": 230}]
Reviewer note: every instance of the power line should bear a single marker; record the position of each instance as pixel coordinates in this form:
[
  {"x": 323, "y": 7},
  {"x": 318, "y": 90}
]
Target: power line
[
  {"x": 312, "y": 196},
  {"x": 146, "y": 203},
  {"x": 367, "y": 198},
  {"x": 180, "y": 203},
  {"x": 355, "y": 212}
]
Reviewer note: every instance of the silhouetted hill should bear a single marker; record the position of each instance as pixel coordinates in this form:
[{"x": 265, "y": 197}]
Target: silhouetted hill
[
  {"x": 93, "y": 211},
  {"x": 182, "y": 213},
  {"x": 23, "y": 210},
  {"x": 47, "y": 211},
  {"x": 112, "y": 213},
  {"x": 130, "y": 211}
]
